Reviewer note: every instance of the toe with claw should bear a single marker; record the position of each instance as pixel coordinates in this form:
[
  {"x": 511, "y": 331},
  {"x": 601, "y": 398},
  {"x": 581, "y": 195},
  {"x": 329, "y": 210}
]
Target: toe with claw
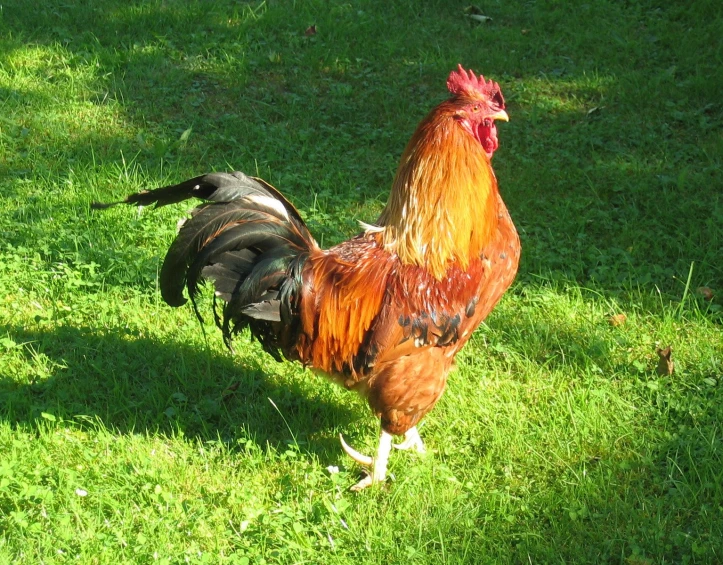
[
  {"x": 378, "y": 464},
  {"x": 363, "y": 460}
]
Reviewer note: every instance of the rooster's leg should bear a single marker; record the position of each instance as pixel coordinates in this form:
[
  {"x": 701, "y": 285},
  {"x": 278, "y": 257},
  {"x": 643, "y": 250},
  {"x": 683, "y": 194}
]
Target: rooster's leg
[
  {"x": 412, "y": 441},
  {"x": 378, "y": 463}
]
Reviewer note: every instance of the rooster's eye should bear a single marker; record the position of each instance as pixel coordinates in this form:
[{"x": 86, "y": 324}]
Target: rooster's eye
[{"x": 475, "y": 108}]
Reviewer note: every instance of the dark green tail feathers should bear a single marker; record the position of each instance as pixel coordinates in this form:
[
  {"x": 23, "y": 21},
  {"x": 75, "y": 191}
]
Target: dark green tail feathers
[{"x": 248, "y": 239}]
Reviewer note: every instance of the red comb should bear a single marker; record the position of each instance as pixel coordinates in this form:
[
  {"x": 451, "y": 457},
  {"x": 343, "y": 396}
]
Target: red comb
[{"x": 461, "y": 82}]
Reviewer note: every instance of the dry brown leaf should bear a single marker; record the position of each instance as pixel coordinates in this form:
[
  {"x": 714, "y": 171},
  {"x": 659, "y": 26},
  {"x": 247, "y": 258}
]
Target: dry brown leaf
[
  {"x": 705, "y": 292},
  {"x": 618, "y": 320},
  {"x": 665, "y": 363},
  {"x": 230, "y": 391},
  {"x": 311, "y": 30}
]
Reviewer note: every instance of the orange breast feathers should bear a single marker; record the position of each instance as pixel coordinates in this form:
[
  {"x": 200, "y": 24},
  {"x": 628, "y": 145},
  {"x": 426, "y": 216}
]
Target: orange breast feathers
[
  {"x": 360, "y": 305},
  {"x": 343, "y": 292}
]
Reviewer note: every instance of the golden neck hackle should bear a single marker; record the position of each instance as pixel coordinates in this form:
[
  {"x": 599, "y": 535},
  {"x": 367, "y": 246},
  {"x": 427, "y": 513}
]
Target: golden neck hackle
[{"x": 442, "y": 209}]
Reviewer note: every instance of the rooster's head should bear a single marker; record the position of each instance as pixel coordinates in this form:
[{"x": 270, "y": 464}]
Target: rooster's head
[{"x": 477, "y": 104}]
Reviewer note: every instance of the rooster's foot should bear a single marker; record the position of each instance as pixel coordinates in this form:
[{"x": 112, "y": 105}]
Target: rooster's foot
[
  {"x": 378, "y": 464},
  {"x": 412, "y": 441}
]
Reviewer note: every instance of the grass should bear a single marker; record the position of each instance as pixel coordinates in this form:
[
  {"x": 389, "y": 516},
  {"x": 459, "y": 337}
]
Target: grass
[{"x": 128, "y": 437}]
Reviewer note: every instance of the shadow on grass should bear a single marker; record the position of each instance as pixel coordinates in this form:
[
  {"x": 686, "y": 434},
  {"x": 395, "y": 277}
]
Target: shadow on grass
[{"x": 134, "y": 384}]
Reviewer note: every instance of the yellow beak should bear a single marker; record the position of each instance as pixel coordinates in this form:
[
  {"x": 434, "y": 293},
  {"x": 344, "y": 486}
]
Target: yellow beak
[{"x": 500, "y": 115}]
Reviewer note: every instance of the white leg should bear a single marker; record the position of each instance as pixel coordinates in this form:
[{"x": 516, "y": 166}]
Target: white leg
[
  {"x": 378, "y": 463},
  {"x": 412, "y": 441}
]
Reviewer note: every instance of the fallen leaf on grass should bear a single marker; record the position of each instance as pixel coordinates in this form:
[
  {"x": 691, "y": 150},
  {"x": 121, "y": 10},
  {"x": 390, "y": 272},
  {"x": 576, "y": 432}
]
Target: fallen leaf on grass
[
  {"x": 230, "y": 391},
  {"x": 705, "y": 292},
  {"x": 475, "y": 13},
  {"x": 618, "y": 320},
  {"x": 665, "y": 363},
  {"x": 311, "y": 30}
]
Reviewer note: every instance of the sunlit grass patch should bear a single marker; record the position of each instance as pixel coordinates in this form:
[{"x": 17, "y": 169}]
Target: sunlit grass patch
[{"x": 129, "y": 434}]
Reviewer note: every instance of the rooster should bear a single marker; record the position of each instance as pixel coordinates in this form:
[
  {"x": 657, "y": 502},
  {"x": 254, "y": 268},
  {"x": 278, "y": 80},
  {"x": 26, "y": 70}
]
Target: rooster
[{"x": 384, "y": 313}]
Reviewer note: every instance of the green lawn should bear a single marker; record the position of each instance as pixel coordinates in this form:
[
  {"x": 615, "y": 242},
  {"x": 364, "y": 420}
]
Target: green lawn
[{"x": 127, "y": 436}]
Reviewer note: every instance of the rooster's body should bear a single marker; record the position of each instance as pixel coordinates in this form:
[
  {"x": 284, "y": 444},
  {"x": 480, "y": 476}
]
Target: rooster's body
[{"x": 385, "y": 312}]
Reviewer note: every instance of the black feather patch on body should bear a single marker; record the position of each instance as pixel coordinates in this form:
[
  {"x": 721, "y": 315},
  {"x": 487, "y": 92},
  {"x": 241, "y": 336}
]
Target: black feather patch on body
[{"x": 437, "y": 329}]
